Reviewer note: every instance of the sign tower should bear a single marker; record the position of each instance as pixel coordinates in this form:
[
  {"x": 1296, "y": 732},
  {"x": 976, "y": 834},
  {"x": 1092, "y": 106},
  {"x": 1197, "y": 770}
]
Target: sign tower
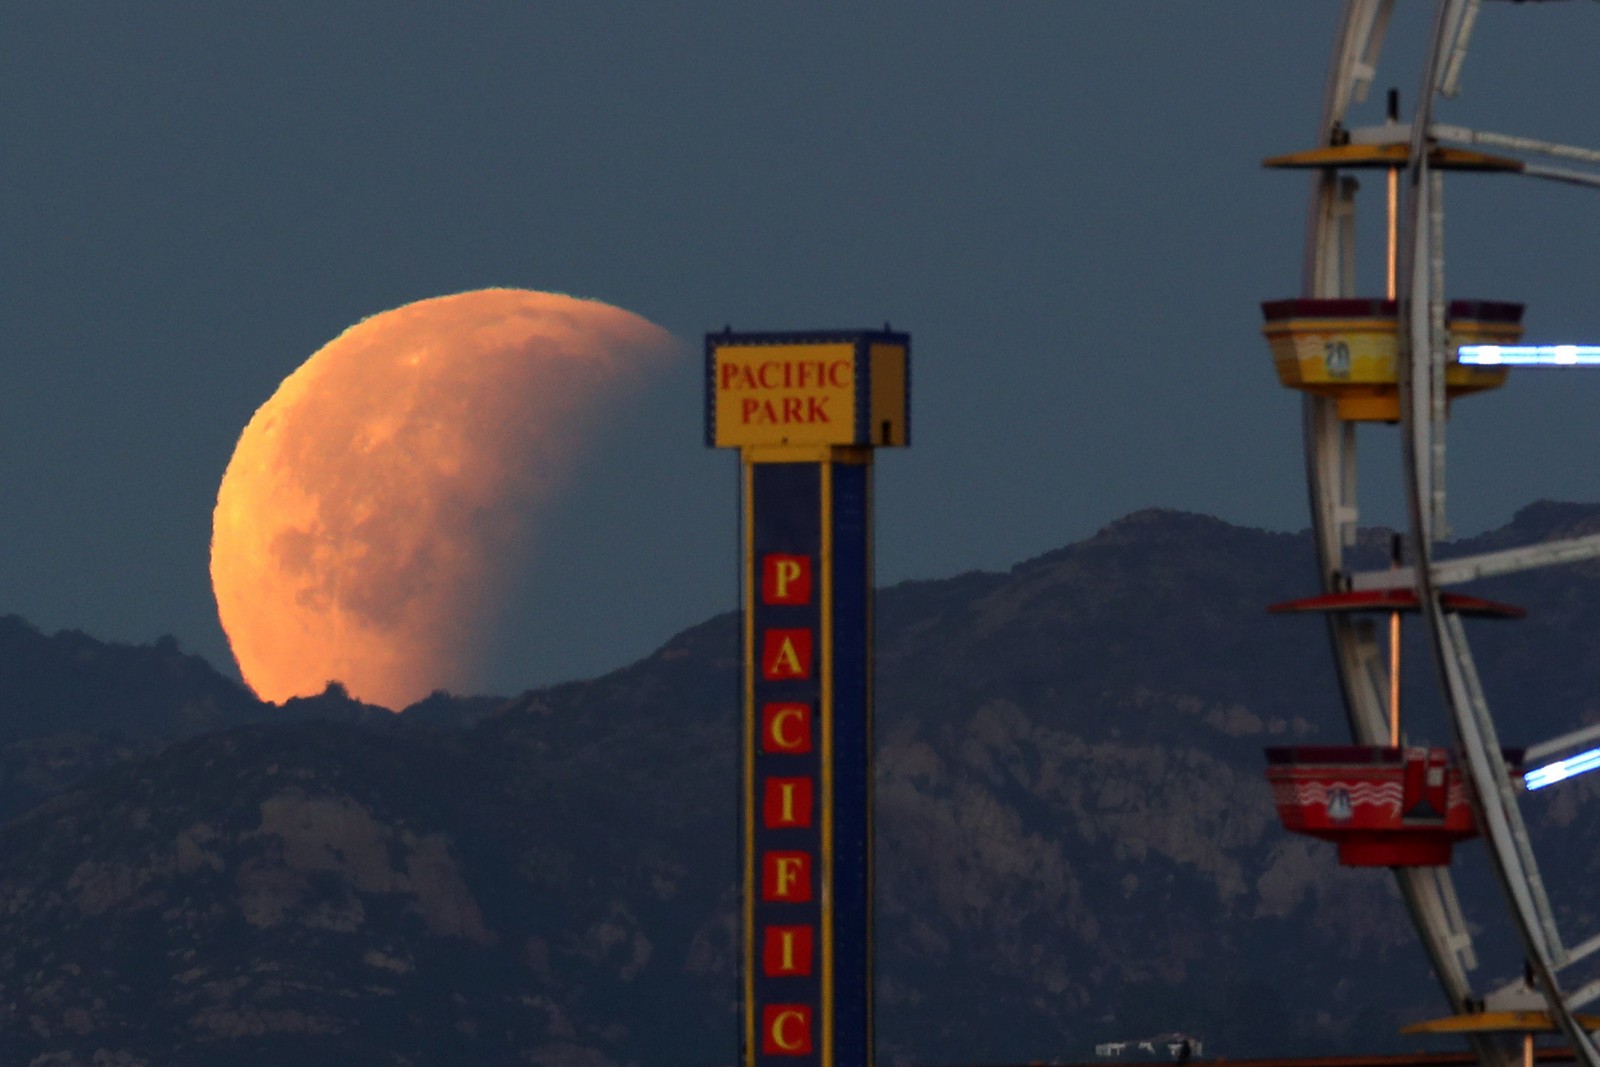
[{"x": 806, "y": 411}]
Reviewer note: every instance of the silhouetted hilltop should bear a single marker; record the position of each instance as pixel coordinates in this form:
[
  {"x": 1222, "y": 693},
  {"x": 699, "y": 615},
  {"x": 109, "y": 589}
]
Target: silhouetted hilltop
[
  {"x": 1075, "y": 841},
  {"x": 69, "y": 680},
  {"x": 72, "y": 706}
]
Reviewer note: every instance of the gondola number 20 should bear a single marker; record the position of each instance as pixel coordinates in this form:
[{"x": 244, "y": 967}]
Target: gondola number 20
[{"x": 1336, "y": 358}]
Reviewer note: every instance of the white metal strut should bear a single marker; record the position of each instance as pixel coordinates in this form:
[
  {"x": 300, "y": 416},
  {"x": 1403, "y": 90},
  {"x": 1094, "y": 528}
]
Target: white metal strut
[{"x": 1423, "y": 358}]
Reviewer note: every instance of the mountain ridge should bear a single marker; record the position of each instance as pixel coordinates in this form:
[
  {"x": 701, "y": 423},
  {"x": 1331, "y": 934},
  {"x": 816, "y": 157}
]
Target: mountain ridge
[{"x": 1075, "y": 842}]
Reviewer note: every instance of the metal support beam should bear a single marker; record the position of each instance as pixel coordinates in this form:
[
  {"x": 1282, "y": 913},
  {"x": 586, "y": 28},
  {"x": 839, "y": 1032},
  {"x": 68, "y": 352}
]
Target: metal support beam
[
  {"x": 1537, "y": 753},
  {"x": 1511, "y": 142},
  {"x": 1583, "y": 950},
  {"x": 1562, "y": 175},
  {"x": 1461, "y": 32},
  {"x": 1485, "y": 565},
  {"x": 1502, "y": 818},
  {"x": 1583, "y": 995},
  {"x": 1330, "y": 453}
]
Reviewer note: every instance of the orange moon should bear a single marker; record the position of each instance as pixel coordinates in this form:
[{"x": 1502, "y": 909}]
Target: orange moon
[{"x": 377, "y": 502}]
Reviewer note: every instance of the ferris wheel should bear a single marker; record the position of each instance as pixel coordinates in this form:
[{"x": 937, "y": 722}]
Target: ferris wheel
[{"x": 1403, "y": 358}]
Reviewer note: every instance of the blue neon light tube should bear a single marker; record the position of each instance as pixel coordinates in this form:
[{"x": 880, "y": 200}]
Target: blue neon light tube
[
  {"x": 1562, "y": 769},
  {"x": 1529, "y": 355}
]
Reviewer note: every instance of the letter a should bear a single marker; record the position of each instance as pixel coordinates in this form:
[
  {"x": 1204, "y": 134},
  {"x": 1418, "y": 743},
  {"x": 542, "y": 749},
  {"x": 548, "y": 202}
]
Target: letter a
[{"x": 786, "y": 655}]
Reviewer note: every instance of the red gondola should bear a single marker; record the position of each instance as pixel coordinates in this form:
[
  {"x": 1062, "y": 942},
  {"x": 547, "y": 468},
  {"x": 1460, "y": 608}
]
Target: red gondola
[{"x": 1383, "y": 807}]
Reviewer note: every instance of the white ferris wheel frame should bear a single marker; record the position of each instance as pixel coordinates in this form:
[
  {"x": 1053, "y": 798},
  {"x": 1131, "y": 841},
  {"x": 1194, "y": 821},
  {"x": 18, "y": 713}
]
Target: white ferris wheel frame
[{"x": 1330, "y": 452}]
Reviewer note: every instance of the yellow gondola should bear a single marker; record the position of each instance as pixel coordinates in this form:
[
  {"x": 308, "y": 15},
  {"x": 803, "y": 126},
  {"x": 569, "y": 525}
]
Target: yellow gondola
[{"x": 1348, "y": 350}]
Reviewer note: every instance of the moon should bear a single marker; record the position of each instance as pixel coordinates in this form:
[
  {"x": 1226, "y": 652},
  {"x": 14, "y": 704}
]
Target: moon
[{"x": 376, "y": 505}]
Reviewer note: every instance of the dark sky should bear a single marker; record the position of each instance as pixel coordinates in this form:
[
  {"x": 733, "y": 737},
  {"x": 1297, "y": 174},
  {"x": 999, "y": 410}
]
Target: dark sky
[{"x": 1061, "y": 202}]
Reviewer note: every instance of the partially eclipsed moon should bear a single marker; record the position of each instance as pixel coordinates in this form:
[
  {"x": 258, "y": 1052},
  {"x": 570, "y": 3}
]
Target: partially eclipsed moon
[{"x": 378, "y": 500}]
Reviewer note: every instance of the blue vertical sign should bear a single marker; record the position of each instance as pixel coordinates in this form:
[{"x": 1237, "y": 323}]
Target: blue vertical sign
[
  {"x": 807, "y": 745},
  {"x": 806, "y": 960}
]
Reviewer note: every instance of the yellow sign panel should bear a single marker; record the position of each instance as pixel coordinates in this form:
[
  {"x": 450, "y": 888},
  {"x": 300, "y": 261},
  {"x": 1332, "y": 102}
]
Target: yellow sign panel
[
  {"x": 785, "y": 394},
  {"x": 792, "y": 390}
]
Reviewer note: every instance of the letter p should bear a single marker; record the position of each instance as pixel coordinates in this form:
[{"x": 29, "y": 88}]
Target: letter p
[{"x": 785, "y": 579}]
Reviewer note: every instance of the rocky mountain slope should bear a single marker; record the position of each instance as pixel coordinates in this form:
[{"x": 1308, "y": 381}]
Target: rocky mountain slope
[{"x": 1075, "y": 841}]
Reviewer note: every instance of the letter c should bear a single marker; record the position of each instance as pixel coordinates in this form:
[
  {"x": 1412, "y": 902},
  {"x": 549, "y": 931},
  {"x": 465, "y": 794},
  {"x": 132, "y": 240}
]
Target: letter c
[
  {"x": 780, "y": 1031},
  {"x": 783, "y": 739}
]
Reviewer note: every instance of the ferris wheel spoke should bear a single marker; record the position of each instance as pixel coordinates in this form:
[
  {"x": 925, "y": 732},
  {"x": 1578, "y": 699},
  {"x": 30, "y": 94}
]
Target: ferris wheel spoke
[
  {"x": 1564, "y": 743},
  {"x": 1330, "y": 451},
  {"x": 1388, "y": 138},
  {"x": 1583, "y": 951},
  {"x": 1484, "y": 565},
  {"x": 1523, "y": 558},
  {"x": 1507, "y": 833},
  {"x": 1511, "y": 142},
  {"x": 1355, "y": 59},
  {"x": 1510, "y": 853},
  {"x": 1586, "y": 994},
  {"x": 1459, "y": 32},
  {"x": 1459, "y": 938},
  {"x": 1331, "y": 476},
  {"x": 1562, "y": 175},
  {"x": 1430, "y": 896},
  {"x": 1435, "y": 893},
  {"x": 1421, "y": 380},
  {"x": 1422, "y": 384}
]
